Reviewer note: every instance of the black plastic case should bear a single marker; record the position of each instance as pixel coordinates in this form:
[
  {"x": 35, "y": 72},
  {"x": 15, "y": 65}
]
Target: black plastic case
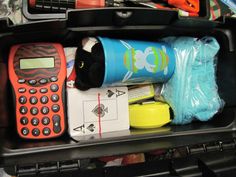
[{"x": 199, "y": 140}]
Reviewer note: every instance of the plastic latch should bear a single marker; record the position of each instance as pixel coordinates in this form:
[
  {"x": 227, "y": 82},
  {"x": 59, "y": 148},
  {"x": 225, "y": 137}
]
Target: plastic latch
[
  {"x": 121, "y": 18},
  {"x": 5, "y": 23}
]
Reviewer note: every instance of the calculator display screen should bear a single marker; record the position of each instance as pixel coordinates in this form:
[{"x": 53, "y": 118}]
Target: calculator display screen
[{"x": 37, "y": 63}]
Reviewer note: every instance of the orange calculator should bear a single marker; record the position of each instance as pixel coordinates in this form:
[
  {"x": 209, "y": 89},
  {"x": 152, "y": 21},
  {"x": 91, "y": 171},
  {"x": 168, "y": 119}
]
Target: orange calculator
[{"x": 37, "y": 73}]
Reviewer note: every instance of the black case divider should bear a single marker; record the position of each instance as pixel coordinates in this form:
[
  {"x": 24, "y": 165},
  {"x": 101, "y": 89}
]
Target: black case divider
[
  {"x": 207, "y": 164},
  {"x": 32, "y": 14},
  {"x": 68, "y": 32},
  {"x": 120, "y": 17}
]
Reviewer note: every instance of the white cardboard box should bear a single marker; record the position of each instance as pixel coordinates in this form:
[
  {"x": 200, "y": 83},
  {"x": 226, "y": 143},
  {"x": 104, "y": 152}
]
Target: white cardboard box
[{"x": 97, "y": 111}]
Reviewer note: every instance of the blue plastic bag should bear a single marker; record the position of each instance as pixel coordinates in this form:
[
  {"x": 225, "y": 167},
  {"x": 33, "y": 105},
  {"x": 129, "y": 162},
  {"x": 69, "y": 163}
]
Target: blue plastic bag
[{"x": 192, "y": 91}]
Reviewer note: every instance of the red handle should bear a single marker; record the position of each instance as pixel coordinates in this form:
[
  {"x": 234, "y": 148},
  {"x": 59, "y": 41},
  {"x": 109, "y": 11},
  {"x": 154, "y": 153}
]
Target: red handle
[
  {"x": 187, "y": 5},
  {"x": 89, "y": 4},
  {"x": 78, "y": 4}
]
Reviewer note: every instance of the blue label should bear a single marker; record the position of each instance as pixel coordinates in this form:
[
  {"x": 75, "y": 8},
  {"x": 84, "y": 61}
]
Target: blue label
[{"x": 130, "y": 62}]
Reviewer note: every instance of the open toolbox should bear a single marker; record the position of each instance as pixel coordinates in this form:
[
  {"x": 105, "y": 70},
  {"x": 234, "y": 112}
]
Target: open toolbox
[
  {"x": 40, "y": 14},
  {"x": 25, "y": 157}
]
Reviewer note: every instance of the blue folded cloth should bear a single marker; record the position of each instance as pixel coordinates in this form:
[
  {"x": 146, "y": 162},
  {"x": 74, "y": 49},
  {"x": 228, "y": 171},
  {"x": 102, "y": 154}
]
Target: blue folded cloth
[{"x": 192, "y": 91}]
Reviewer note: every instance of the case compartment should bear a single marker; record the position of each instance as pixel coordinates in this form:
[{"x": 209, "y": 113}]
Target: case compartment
[{"x": 17, "y": 151}]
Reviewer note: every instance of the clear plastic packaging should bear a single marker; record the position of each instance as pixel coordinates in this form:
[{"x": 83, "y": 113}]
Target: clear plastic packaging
[{"x": 192, "y": 91}]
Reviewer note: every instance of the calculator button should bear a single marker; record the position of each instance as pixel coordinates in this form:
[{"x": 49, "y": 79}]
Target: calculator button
[
  {"x": 35, "y": 121},
  {"x": 45, "y": 110},
  {"x": 22, "y": 100},
  {"x": 34, "y": 111},
  {"x": 35, "y": 132},
  {"x": 32, "y": 91},
  {"x": 44, "y": 99},
  {"x": 24, "y": 121},
  {"x": 43, "y": 90},
  {"x": 46, "y": 131},
  {"x": 21, "y": 81},
  {"x": 56, "y": 123},
  {"x": 23, "y": 110},
  {"x": 25, "y": 131},
  {"x": 45, "y": 121},
  {"x": 55, "y": 108},
  {"x": 32, "y": 82},
  {"x": 22, "y": 90},
  {"x": 54, "y": 87},
  {"x": 43, "y": 81},
  {"x": 33, "y": 100},
  {"x": 53, "y": 79},
  {"x": 54, "y": 98}
]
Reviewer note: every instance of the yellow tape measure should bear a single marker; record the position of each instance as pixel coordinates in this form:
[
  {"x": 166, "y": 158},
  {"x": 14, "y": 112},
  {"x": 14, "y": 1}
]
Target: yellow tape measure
[{"x": 149, "y": 115}]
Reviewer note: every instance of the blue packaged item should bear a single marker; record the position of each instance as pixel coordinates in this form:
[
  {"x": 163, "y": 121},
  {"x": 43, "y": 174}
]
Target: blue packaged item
[
  {"x": 102, "y": 62},
  {"x": 130, "y": 62},
  {"x": 231, "y": 4},
  {"x": 192, "y": 91}
]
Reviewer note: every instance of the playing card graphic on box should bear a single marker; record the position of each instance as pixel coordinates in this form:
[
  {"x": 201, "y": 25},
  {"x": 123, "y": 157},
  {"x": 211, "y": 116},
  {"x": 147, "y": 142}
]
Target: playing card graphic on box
[
  {"x": 97, "y": 111},
  {"x": 94, "y": 111}
]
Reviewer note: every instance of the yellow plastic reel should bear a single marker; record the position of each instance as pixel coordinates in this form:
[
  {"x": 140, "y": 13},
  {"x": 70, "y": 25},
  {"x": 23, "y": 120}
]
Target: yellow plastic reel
[{"x": 149, "y": 115}]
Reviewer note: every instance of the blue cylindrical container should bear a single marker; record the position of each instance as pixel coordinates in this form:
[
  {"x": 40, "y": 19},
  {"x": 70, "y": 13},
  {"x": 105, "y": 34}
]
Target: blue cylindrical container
[{"x": 129, "y": 62}]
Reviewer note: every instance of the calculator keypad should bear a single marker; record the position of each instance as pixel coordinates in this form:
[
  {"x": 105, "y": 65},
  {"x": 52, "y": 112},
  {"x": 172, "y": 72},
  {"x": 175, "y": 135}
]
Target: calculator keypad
[
  {"x": 21, "y": 81},
  {"x": 45, "y": 121},
  {"x": 46, "y": 131},
  {"x": 35, "y": 121},
  {"x": 43, "y": 81},
  {"x": 53, "y": 79},
  {"x": 34, "y": 111},
  {"x": 25, "y": 131},
  {"x": 32, "y": 82},
  {"x": 22, "y": 90},
  {"x": 41, "y": 112},
  {"x": 35, "y": 132},
  {"x": 32, "y": 91},
  {"x": 54, "y": 88},
  {"x": 45, "y": 110},
  {"x": 43, "y": 90},
  {"x": 23, "y": 110},
  {"x": 24, "y": 120},
  {"x": 33, "y": 100},
  {"x": 55, "y": 108},
  {"x": 56, "y": 123},
  {"x": 55, "y": 98},
  {"x": 44, "y": 99},
  {"x": 22, "y": 100}
]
